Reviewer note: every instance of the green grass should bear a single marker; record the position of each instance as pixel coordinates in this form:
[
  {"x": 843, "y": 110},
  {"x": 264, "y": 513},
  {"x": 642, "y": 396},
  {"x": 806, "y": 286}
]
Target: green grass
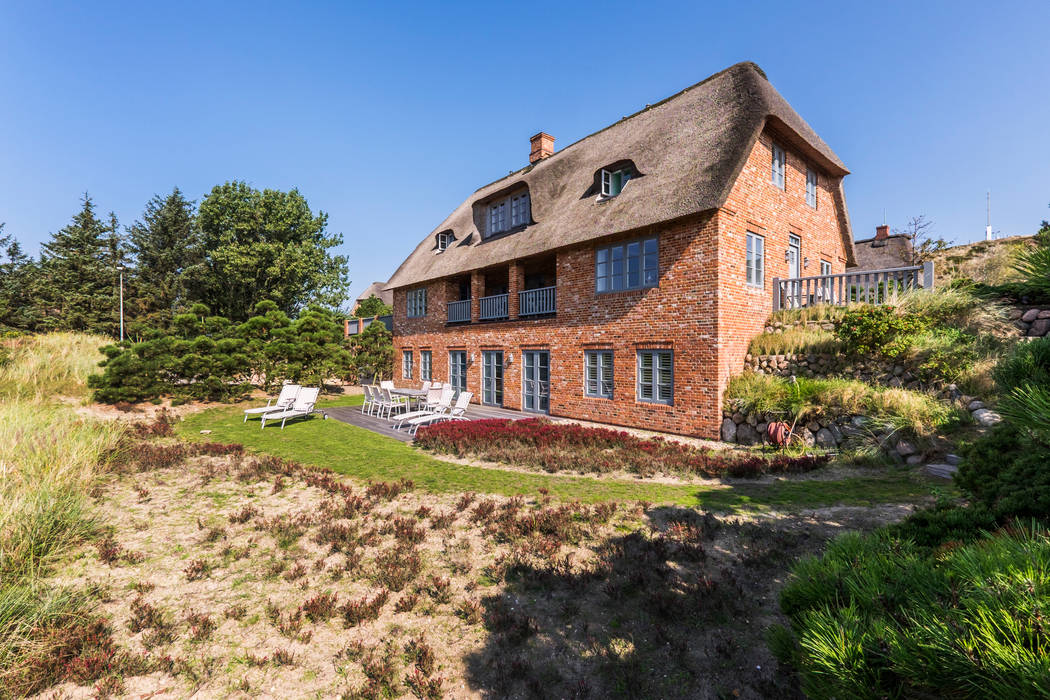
[{"x": 365, "y": 455}]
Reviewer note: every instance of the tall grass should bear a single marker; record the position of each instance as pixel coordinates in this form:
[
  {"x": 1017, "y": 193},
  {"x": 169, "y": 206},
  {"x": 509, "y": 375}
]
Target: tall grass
[
  {"x": 49, "y": 457},
  {"x": 798, "y": 339}
]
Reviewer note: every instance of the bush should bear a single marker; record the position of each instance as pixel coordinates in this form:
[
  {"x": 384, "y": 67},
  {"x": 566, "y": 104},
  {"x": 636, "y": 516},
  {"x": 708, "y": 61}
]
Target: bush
[
  {"x": 879, "y": 616},
  {"x": 874, "y": 330},
  {"x": 1034, "y": 265}
]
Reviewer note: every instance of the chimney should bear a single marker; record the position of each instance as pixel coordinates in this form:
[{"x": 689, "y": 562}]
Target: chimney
[
  {"x": 542, "y": 147},
  {"x": 882, "y": 232}
]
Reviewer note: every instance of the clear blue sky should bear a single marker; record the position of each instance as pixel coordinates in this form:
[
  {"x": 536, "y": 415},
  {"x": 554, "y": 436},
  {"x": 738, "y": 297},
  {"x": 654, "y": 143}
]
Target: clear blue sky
[{"x": 387, "y": 115}]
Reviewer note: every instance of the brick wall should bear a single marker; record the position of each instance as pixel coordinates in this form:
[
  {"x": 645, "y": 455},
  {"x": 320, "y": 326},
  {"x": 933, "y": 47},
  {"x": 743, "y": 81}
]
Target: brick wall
[{"x": 702, "y": 308}]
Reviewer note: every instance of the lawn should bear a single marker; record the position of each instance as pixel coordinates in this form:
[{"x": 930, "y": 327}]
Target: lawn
[{"x": 365, "y": 455}]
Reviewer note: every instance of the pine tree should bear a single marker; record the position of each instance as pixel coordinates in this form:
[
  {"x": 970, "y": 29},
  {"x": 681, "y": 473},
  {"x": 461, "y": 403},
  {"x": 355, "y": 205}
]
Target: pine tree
[
  {"x": 18, "y": 308},
  {"x": 163, "y": 245},
  {"x": 79, "y": 273}
]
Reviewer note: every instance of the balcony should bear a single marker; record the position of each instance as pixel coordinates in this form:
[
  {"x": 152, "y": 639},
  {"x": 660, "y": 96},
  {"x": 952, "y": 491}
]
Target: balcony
[
  {"x": 459, "y": 311},
  {"x": 535, "y": 302},
  {"x": 494, "y": 307}
]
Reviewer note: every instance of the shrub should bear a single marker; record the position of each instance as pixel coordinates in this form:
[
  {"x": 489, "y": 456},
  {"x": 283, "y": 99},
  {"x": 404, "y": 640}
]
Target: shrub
[
  {"x": 878, "y": 616},
  {"x": 1034, "y": 265},
  {"x": 874, "y": 330}
]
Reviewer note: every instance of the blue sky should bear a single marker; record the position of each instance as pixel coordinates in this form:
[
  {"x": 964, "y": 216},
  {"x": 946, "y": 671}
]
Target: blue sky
[{"x": 387, "y": 115}]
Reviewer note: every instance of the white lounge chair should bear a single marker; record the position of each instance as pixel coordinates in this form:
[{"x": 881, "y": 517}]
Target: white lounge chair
[
  {"x": 303, "y": 406},
  {"x": 388, "y": 402},
  {"x": 437, "y": 401},
  {"x": 458, "y": 412},
  {"x": 284, "y": 400},
  {"x": 367, "y": 404}
]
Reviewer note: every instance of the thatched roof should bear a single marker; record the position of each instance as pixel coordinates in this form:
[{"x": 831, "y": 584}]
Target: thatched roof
[
  {"x": 378, "y": 289},
  {"x": 688, "y": 149}
]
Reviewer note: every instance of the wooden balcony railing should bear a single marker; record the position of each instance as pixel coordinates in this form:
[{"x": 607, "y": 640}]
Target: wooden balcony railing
[
  {"x": 493, "y": 307},
  {"x": 533, "y": 302},
  {"x": 459, "y": 311},
  {"x": 860, "y": 286}
]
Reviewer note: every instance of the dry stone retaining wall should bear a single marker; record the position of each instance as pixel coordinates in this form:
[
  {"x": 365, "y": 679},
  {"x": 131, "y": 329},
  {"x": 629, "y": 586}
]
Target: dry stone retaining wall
[{"x": 1031, "y": 321}]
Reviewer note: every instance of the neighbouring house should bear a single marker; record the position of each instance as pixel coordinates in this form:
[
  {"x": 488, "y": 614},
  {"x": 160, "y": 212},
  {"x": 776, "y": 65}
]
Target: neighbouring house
[
  {"x": 375, "y": 289},
  {"x": 621, "y": 278},
  {"x": 884, "y": 251}
]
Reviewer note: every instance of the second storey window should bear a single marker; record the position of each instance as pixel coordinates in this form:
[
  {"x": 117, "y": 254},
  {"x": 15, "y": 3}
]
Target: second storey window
[
  {"x": 425, "y": 361},
  {"x": 406, "y": 364},
  {"x": 811, "y": 188},
  {"x": 630, "y": 265},
  {"x": 509, "y": 213},
  {"x": 779, "y": 165},
  {"x": 825, "y": 267},
  {"x": 655, "y": 376},
  {"x": 756, "y": 260},
  {"x": 613, "y": 181},
  {"x": 598, "y": 373},
  {"x": 444, "y": 240},
  {"x": 497, "y": 217},
  {"x": 519, "y": 210},
  {"x": 417, "y": 302}
]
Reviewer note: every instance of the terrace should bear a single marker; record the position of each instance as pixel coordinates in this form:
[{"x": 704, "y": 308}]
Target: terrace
[{"x": 384, "y": 426}]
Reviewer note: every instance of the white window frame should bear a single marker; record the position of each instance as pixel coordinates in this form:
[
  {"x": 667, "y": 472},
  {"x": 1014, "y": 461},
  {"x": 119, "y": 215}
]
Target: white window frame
[
  {"x": 519, "y": 210},
  {"x": 755, "y": 260},
  {"x": 610, "y": 185},
  {"x": 660, "y": 361},
  {"x": 444, "y": 240},
  {"x": 794, "y": 246},
  {"x": 778, "y": 175},
  {"x": 640, "y": 256},
  {"x": 812, "y": 185},
  {"x": 601, "y": 364},
  {"x": 426, "y": 364},
  {"x": 416, "y": 303},
  {"x": 825, "y": 267},
  {"x": 509, "y": 213},
  {"x": 457, "y": 370},
  {"x": 406, "y": 364}
]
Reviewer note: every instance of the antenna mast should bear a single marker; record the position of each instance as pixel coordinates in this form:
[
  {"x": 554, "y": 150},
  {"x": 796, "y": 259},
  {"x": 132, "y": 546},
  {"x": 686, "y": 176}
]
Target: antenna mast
[{"x": 988, "y": 225}]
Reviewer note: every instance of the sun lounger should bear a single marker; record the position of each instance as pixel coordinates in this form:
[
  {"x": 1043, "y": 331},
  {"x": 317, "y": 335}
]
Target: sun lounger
[
  {"x": 284, "y": 401},
  {"x": 458, "y": 412},
  {"x": 437, "y": 401},
  {"x": 303, "y": 406}
]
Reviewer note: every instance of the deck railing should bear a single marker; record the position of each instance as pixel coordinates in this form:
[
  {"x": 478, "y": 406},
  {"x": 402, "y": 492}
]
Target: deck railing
[
  {"x": 863, "y": 286},
  {"x": 533, "y": 302},
  {"x": 493, "y": 307},
  {"x": 459, "y": 311}
]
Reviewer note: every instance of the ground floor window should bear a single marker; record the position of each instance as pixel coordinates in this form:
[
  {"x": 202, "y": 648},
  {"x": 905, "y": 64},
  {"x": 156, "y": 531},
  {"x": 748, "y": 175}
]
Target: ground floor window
[
  {"x": 598, "y": 373},
  {"x": 492, "y": 377},
  {"x": 457, "y": 369},
  {"x": 406, "y": 364},
  {"x": 425, "y": 365},
  {"x": 655, "y": 376}
]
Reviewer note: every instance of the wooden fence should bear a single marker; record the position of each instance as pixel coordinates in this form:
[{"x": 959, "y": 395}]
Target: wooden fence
[{"x": 858, "y": 286}]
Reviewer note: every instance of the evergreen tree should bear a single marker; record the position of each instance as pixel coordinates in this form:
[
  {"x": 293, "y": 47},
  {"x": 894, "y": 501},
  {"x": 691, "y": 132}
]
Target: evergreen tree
[
  {"x": 163, "y": 245},
  {"x": 18, "y": 273},
  {"x": 79, "y": 268},
  {"x": 371, "y": 307}
]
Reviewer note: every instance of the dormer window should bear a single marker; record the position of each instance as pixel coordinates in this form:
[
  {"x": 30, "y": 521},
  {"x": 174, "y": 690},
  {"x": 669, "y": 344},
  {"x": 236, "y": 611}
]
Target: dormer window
[
  {"x": 613, "y": 181},
  {"x": 444, "y": 240},
  {"x": 509, "y": 213}
]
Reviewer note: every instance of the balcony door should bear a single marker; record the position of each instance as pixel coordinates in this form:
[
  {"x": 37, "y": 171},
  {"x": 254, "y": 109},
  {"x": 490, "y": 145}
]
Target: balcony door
[
  {"x": 492, "y": 377},
  {"x": 536, "y": 381}
]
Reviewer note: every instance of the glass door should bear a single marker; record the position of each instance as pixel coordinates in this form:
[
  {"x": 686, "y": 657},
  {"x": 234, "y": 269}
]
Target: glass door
[
  {"x": 457, "y": 370},
  {"x": 794, "y": 256},
  {"x": 492, "y": 377},
  {"x": 536, "y": 381}
]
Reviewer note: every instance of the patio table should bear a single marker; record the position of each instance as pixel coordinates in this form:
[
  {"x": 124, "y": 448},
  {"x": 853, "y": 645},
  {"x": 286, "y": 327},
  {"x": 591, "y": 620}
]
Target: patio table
[{"x": 412, "y": 394}]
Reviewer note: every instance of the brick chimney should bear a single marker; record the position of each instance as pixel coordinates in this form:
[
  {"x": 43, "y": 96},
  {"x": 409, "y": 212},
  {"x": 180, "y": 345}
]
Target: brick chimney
[
  {"x": 882, "y": 232},
  {"x": 542, "y": 147}
]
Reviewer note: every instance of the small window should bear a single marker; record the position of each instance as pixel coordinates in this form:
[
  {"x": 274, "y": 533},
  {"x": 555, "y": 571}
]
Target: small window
[
  {"x": 630, "y": 265},
  {"x": 424, "y": 365},
  {"x": 756, "y": 260},
  {"x": 519, "y": 209},
  {"x": 598, "y": 374},
  {"x": 444, "y": 240},
  {"x": 613, "y": 181},
  {"x": 406, "y": 364},
  {"x": 655, "y": 376},
  {"x": 811, "y": 187},
  {"x": 825, "y": 267},
  {"x": 508, "y": 213},
  {"x": 417, "y": 302},
  {"x": 497, "y": 217},
  {"x": 779, "y": 163}
]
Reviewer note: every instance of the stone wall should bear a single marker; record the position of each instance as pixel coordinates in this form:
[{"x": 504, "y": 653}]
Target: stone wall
[
  {"x": 1031, "y": 321},
  {"x": 872, "y": 371}
]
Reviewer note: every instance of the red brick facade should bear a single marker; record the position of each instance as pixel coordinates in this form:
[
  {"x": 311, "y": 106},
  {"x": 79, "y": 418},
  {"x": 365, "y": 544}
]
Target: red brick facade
[{"x": 702, "y": 309}]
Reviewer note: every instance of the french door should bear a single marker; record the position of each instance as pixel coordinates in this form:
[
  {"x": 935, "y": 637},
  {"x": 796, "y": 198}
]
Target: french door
[
  {"x": 536, "y": 381},
  {"x": 492, "y": 377},
  {"x": 457, "y": 370}
]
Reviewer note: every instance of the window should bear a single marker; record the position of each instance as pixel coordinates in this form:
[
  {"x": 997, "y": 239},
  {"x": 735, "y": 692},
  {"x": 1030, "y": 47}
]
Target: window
[
  {"x": 811, "y": 187},
  {"x": 631, "y": 265},
  {"x": 598, "y": 373},
  {"x": 756, "y": 260},
  {"x": 794, "y": 256},
  {"x": 655, "y": 376},
  {"x": 825, "y": 267},
  {"x": 508, "y": 213},
  {"x": 444, "y": 240},
  {"x": 406, "y": 364},
  {"x": 417, "y": 302},
  {"x": 425, "y": 358},
  {"x": 457, "y": 370},
  {"x": 614, "y": 181},
  {"x": 779, "y": 162}
]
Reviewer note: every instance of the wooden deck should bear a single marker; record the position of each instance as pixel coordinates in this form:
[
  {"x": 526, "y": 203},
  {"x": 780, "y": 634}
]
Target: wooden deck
[{"x": 383, "y": 426}]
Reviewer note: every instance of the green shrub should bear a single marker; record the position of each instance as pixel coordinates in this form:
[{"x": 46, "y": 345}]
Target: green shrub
[
  {"x": 874, "y": 330},
  {"x": 1034, "y": 265},
  {"x": 1028, "y": 363},
  {"x": 880, "y": 616}
]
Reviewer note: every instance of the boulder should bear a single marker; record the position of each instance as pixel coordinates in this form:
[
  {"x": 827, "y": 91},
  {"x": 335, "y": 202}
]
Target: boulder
[
  {"x": 728, "y": 430},
  {"x": 905, "y": 448},
  {"x": 954, "y": 460},
  {"x": 808, "y": 439},
  {"x": 1039, "y": 328},
  {"x": 944, "y": 471},
  {"x": 913, "y": 460},
  {"x": 974, "y": 405},
  {"x": 1030, "y": 315},
  {"x": 825, "y": 438},
  {"x": 1044, "y": 314},
  {"x": 985, "y": 417},
  {"x": 738, "y": 418},
  {"x": 746, "y": 435},
  {"x": 1015, "y": 314}
]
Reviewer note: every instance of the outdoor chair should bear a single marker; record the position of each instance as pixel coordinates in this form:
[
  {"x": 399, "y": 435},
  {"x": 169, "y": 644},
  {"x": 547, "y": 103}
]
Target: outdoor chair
[
  {"x": 386, "y": 384},
  {"x": 370, "y": 398},
  {"x": 388, "y": 403},
  {"x": 426, "y": 386},
  {"x": 303, "y": 406},
  {"x": 284, "y": 400},
  {"x": 458, "y": 412},
  {"x": 437, "y": 401}
]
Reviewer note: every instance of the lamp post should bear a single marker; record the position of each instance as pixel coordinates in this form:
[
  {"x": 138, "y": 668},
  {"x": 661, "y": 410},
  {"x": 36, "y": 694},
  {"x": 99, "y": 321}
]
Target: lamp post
[{"x": 120, "y": 268}]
